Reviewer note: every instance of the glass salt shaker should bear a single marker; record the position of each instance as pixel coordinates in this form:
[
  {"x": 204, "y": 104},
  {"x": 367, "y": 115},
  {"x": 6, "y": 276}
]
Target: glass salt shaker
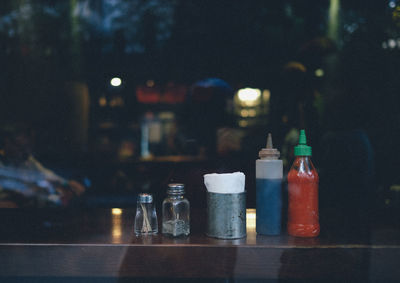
[
  {"x": 146, "y": 216},
  {"x": 176, "y": 212}
]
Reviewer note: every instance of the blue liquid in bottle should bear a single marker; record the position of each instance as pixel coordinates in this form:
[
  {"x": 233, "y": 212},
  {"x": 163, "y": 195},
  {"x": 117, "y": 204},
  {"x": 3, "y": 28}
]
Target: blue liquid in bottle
[
  {"x": 269, "y": 172},
  {"x": 269, "y": 206}
]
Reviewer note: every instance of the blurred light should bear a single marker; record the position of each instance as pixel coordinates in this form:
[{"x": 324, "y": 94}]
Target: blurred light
[
  {"x": 102, "y": 101},
  {"x": 333, "y": 19},
  {"x": 250, "y": 219},
  {"x": 150, "y": 83},
  {"x": 243, "y": 123},
  {"x": 319, "y": 73},
  {"x": 166, "y": 115},
  {"x": 396, "y": 14},
  {"x": 116, "y": 81},
  {"x": 351, "y": 28},
  {"x": 249, "y": 96},
  {"x": 395, "y": 188},
  {"x": 252, "y": 113},
  {"x": 295, "y": 66},
  {"x": 87, "y": 182},
  {"x": 116, "y": 211},
  {"x": 384, "y": 45},
  {"x": 244, "y": 113},
  {"x": 392, "y": 43},
  {"x": 288, "y": 10},
  {"x": 392, "y": 4},
  {"x": 266, "y": 94},
  {"x": 117, "y": 101}
]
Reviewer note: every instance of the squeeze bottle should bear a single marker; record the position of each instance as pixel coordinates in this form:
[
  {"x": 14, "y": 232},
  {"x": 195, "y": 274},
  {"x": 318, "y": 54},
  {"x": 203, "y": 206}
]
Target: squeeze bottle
[
  {"x": 303, "y": 217},
  {"x": 269, "y": 171}
]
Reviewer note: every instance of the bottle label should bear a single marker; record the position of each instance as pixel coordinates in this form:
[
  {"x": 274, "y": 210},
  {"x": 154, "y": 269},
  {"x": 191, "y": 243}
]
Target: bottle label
[{"x": 303, "y": 203}]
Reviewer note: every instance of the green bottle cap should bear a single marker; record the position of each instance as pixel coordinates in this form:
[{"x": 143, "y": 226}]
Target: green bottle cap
[{"x": 302, "y": 149}]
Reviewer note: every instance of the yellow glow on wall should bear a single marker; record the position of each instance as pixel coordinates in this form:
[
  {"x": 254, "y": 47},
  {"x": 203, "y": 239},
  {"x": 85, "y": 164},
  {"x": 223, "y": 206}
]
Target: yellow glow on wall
[
  {"x": 266, "y": 94},
  {"x": 117, "y": 101},
  {"x": 252, "y": 113},
  {"x": 244, "y": 113},
  {"x": 102, "y": 101},
  {"x": 243, "y": 123},
  {"x": 150, "y": 83}
]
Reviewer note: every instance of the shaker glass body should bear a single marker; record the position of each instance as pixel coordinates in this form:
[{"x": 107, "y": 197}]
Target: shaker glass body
[
  {"x": 146, "y": 216},
  {"x": 176, "y": 215},
  {"x": 303, "y": 216}
]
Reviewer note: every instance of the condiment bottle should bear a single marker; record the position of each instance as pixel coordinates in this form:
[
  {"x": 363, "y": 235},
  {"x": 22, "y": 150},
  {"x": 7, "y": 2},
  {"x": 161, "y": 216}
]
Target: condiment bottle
[
  {"x": 269, "y": 171},
  {"x": 176, "y": 212},
  {"x": 303, "y": 217}
]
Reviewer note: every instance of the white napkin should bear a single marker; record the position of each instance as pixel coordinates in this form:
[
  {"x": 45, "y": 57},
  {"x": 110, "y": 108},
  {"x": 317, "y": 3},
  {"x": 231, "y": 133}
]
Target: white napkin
[{"x": 229, "y": 183}]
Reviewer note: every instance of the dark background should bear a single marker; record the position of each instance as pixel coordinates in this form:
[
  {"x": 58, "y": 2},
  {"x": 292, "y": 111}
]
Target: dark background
[{"x": 48, "y": 47}]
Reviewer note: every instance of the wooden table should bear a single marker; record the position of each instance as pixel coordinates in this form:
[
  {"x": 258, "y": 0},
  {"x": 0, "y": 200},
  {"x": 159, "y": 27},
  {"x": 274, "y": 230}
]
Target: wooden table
[{"x": 100, "y": 244}]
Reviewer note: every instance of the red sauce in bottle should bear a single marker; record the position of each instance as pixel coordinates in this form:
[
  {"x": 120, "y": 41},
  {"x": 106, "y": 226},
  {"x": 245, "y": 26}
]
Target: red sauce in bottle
[{"x": 303, "y": 216}]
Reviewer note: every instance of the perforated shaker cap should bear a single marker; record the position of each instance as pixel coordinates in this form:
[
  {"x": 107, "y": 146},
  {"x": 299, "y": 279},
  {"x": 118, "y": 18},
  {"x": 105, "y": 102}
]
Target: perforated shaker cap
[
  {"x": 269, "y": 152},
  {"x": 176, "y": 189},
  {"x": 145, "y": 198}
]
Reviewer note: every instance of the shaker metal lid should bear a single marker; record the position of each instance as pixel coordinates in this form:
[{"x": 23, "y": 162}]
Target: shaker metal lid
[
  {"x": 145, "y": 198},
  {"x": 176, "y": 188}
]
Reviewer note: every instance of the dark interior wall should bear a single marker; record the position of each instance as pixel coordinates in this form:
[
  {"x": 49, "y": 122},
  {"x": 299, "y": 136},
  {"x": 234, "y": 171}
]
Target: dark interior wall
[{"x": 43, "y": 46}]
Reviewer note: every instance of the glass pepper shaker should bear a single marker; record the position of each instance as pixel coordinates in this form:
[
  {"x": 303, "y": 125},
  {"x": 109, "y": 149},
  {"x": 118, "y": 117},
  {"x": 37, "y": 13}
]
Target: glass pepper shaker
[
  {"x": 146, "y": 216},
  {"x": 176, "y": 212}
]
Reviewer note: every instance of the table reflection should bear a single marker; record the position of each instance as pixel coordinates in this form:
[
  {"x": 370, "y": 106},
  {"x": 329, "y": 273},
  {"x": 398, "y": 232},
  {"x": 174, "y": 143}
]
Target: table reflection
[{"x": 116, "y": 225}]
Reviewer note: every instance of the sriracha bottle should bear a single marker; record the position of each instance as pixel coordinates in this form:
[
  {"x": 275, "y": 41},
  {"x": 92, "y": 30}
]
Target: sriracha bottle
[{"x": 303, "y": 217}]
